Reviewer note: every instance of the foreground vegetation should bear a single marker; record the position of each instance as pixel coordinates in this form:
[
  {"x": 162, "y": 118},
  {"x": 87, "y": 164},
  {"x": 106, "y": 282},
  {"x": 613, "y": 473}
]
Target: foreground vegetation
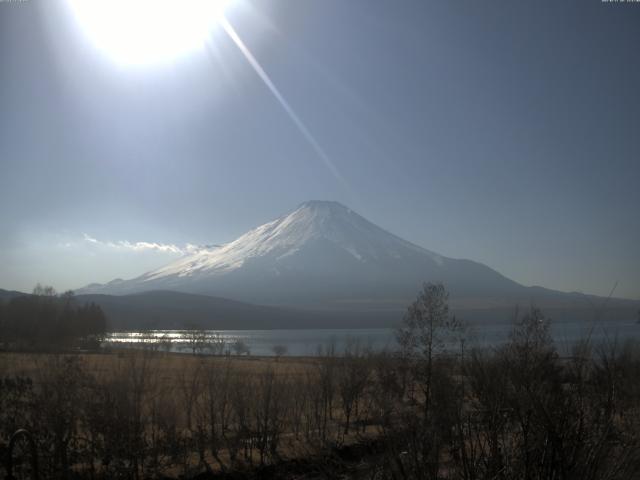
[{"x": 426, "y": 412}]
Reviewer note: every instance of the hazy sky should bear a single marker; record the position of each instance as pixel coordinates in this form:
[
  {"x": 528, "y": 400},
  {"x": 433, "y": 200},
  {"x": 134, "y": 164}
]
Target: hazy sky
[{"x": 504, "y": 132}]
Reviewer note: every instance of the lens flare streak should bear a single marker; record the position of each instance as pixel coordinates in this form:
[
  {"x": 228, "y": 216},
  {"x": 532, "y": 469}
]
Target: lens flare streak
[{"x": 283, "y": 102}]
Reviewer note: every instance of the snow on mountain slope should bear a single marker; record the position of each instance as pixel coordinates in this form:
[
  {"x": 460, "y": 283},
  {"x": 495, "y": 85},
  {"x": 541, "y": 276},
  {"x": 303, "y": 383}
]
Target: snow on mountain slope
[
  {"x": 321, "y": 252},
  {"x": 287, "y": 235}
]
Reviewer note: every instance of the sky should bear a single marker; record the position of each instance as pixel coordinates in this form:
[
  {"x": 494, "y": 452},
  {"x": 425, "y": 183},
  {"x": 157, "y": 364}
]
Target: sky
[{"x": 503, "y": 132}]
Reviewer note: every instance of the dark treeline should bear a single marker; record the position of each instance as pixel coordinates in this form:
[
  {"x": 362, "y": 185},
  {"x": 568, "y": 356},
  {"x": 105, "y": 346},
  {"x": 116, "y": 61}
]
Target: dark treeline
[
  {"x": 519, "y": 411},
  {"x": 48, "y": 321}
]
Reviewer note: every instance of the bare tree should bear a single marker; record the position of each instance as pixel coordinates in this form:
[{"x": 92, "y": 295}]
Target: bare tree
[
  {"x": 215, "y": 343},
  {"x": 165, "y": 342},
  {"x": 240, "y": 347},
  {"x": 353, "y": 377},
  {"x": 425, "y": 330},
  {"x": 196, "y": 338},
  {"x": 279, "y": 351}
]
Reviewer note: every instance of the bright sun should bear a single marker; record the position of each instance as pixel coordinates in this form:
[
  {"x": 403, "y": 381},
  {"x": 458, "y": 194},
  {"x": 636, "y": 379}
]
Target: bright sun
[{"x": 135, "y": 32}]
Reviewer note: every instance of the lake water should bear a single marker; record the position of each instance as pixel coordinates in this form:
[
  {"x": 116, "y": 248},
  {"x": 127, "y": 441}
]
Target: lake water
[{"x": 307, "y": 342}]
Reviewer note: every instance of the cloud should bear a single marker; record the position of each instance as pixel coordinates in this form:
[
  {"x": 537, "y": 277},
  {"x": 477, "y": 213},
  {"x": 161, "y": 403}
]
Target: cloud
[
  {"x": 89, "y": 239},
  {"x": 125, "y": 245}
]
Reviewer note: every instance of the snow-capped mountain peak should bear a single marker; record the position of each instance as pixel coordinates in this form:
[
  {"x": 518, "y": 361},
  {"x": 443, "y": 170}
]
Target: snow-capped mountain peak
[
  {"x": 321, "y": 251},
  {"x": 312, "y": 222}
]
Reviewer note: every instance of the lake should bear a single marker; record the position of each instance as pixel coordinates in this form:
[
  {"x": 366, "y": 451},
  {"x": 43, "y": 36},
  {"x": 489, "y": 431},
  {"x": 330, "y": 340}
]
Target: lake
[{"x": 306, "y": 342}]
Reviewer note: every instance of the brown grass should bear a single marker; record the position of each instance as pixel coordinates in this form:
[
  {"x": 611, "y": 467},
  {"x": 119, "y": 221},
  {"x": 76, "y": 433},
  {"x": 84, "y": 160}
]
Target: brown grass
[{"x": 172, "y": 365}]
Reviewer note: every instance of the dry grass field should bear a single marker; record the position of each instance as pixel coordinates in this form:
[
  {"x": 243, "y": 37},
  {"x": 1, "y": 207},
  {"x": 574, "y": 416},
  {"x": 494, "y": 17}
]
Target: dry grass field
[
  {"x": 178, "y": 414},
  {"x": 170, "y": 365}
]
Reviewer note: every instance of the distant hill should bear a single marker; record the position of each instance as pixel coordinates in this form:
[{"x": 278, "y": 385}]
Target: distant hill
[
  {"x": 176, "y": 310},
  {"x": 6, "y": 295}
]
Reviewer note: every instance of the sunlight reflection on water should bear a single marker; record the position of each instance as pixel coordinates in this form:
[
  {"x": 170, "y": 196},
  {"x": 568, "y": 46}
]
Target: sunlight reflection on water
[{"x": 306, "y": 342}]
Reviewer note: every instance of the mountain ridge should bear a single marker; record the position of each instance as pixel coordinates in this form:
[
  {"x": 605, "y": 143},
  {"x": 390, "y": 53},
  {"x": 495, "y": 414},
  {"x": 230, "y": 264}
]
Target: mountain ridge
[{"x": 175, "y": 310}]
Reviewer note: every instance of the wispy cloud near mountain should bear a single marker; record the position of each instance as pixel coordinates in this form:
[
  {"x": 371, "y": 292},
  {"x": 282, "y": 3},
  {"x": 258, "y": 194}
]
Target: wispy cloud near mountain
[{"x": 142, "y": 246}]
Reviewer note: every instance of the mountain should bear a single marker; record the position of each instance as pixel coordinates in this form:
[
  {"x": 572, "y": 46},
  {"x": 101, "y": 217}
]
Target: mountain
[
  {"x": 321, "y": 253},
  {"x": 324, "y": 256}
]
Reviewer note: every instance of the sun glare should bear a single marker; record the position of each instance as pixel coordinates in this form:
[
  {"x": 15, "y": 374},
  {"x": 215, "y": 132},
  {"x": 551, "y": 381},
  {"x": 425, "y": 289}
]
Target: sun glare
[{"x": 135, "y": 32}]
